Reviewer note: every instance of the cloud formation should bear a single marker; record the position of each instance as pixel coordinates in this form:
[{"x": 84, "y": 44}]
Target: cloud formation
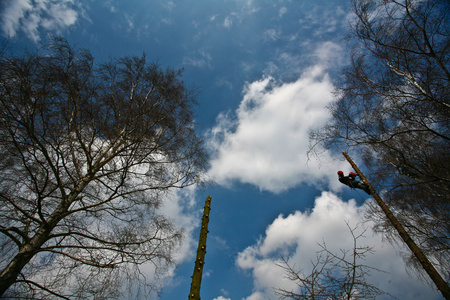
[
  {"x": 31, "y": 17},
  {"x": 265, "y": 142},
  {"x": 221, "y": 298},
  {"x": 180, "y": 208},
  {"x": 200, "y": 59},
  {"x": 296, "y": 237}
]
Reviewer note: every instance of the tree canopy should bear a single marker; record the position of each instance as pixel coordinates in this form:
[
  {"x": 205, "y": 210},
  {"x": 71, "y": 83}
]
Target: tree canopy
[{"x": 88, "y": 153}]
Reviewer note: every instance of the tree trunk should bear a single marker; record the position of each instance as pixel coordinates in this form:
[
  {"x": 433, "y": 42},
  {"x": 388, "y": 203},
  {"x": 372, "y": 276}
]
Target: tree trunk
[
  {"x": 426, "y": 264},
  {"x": 29, "y": 248},
  {"x": 26, "y": 253},
  {"x": 201, "y": 251}
]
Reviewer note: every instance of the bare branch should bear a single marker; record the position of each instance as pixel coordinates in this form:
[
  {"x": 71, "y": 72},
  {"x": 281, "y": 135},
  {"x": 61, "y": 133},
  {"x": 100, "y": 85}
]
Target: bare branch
[{"x": 88, "y": 153}]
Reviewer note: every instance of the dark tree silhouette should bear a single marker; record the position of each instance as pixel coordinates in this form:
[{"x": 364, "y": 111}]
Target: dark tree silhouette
[
  {"x": 392, "y": 107},
  {"x": 88, "y": 154},
  {"x": 334, "y": 275}
]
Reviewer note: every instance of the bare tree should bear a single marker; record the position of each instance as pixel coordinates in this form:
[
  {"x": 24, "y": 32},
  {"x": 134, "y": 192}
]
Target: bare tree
[
  {"x": 392, "y": 105},
  {"x": 333, "y": 276},
  {"x": 88, "y": 154}
]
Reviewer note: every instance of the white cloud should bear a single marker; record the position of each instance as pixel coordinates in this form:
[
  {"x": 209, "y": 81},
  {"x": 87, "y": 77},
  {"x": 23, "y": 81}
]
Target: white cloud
[
  {"x": 221, "y": 298},
  {"x": 178, "y": 207},
  {"x": 330, "y": 53},
  {"x": 32, "y": 16},
  {"x": 12, "y": 13},
  {"x": 256, "y": 296},
  {"x": 296, "y": 237},
  {"x": 282, "y": 11},
  {"x": 60, "y": 16},
  {"x": 265, "y": 142}
]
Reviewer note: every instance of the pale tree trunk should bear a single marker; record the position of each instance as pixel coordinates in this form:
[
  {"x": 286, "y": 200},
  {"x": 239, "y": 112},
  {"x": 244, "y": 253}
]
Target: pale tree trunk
[{"x": 31, "y": 247}]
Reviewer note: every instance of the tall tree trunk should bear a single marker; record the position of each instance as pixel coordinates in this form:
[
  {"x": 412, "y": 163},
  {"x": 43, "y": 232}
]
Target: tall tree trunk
[
  {"x": 426, "y": 264},
  {"x": 201, "y": 251},
  {"x": 30, "y": 247},
  {"x": 26, "y": 253}
]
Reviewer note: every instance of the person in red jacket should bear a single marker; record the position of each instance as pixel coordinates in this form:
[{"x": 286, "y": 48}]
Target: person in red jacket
[{"x": 351, "y": 181}]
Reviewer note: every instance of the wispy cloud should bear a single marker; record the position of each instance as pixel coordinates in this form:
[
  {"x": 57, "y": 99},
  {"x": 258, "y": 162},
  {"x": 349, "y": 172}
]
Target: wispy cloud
[
  {"x": 201, "y": 59},
  {"x": 129, "y": 22},
  {"x": 224, "y": 82},
  {"x": 13, "y": 12},
  {"x": 213, "y": 17},
  {"x": 169, "y": 5},
  {"x": 250, "y": 7},
  {"x": 241, "y": 11},
  {"x": 228, "y": 22},
  {"x": 31, "y": 17},
  {"x": 321, "y": 21},
  {"x": 272, "y": 34}
]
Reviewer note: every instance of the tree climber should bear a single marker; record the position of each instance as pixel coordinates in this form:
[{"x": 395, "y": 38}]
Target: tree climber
[{"x": 351, "y": 181}]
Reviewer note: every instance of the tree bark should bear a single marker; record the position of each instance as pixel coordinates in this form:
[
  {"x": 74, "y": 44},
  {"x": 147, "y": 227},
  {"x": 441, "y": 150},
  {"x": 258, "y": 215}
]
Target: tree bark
[
  {"x": 123, "y": 127},
  {"x": 29, "y": 248},
  {"x": 201, "y": 251},
  {"x": 26, "y": 253},
  {"x": 441, "y": 284}
]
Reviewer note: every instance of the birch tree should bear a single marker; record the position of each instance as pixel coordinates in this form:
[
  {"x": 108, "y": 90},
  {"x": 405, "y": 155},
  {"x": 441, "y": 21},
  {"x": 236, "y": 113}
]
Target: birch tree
[
  {"x": 392, "y": 106},
  {"x": 88, "y": 155}
]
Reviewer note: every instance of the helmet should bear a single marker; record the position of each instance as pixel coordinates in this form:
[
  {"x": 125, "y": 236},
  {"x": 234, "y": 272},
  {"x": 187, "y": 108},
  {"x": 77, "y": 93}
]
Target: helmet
[{"x": 340, "y": 173}]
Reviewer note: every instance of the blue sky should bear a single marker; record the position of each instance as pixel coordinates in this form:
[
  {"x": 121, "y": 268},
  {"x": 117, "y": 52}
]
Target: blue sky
[{"x": 265, "y": 72}]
